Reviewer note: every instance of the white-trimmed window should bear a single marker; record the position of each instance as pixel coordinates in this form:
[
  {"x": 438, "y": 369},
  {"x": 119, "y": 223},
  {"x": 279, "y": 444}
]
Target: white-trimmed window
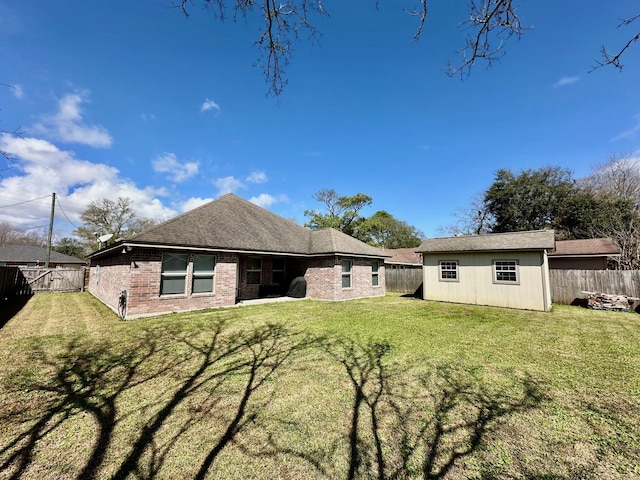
[
  {"x": 203, "y": 273},
  {"x": 375, "y": 273},
  {"x": 174, "y": 273},
  {"x": 449, "y": 271},
  {"x": 254, "y": 271},
  {"x": 505, "y": 271},
  {"x": 346, "y": 273},
  {"x": 278, "y": 271}
]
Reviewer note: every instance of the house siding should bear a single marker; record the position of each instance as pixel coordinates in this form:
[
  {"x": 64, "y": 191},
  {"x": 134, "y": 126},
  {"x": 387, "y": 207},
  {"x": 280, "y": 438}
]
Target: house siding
[{"x": 475, "y": 284}]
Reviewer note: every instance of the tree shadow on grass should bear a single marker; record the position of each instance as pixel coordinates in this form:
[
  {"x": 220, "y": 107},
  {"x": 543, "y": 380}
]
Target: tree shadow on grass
[
  {"x": 90, "y": 379},
  {"x": 403, "y": 427},
  {"x": 10, "y": 307}
]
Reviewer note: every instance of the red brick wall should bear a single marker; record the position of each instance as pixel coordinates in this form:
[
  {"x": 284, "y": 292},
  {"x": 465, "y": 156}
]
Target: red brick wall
[
  {"x": 141, "y": 275},
  {"x": 324, "y": 279}
]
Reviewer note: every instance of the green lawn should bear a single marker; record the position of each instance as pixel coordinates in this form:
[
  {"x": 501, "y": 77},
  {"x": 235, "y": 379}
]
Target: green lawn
[{"x": 386, "y": 388}]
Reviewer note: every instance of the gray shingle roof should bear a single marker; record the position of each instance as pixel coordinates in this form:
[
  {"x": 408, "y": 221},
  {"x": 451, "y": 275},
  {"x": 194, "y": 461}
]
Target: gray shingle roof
[
  {"x": 34, "y": 254},
  {"x": 231, "y": 223},
  {"x": 530, "y": 240}
]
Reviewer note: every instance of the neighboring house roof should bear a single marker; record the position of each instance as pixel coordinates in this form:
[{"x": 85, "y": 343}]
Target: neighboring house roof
[
  {"x": 529, "y": 240},
  {"x": 233, "y": 224},
  {"x": 591, "y": 247},
  {"x": 403, "y": 256},
  {"x": 24, "y": 254}
]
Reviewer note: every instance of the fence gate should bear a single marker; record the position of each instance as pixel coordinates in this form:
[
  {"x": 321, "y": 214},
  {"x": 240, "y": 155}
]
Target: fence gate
[{"x": 55, "y": 279}]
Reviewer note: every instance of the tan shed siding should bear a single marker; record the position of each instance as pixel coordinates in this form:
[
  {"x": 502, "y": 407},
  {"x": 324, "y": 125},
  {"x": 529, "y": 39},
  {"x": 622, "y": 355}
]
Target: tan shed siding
[{"x": 475, "y": 283}]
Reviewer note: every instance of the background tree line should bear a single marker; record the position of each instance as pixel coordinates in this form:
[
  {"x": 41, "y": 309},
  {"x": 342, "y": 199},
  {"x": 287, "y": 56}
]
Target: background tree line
[{"x": 604, "y": 204}]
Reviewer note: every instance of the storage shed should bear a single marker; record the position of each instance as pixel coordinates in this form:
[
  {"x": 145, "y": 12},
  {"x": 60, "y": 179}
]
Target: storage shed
[{"x": 503, "y": 270}]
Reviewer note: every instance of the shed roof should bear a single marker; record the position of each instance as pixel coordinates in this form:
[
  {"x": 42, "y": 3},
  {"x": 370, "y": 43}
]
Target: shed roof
[
  {"x": 34, "y": 254},
  {"x": 233, "y": 224},
  {"x": 529, "y": 240},
  {"x": 591, "y": 247}
]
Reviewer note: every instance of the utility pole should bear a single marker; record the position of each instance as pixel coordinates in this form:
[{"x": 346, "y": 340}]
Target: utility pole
[{"x": 53, "y": 211}]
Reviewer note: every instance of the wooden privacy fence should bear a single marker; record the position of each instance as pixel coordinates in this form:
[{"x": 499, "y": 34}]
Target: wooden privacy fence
[
  {"x": 566, "y": 285},
  {"x": 403, "y": 280},
  {"x": 55, "y": 279}
]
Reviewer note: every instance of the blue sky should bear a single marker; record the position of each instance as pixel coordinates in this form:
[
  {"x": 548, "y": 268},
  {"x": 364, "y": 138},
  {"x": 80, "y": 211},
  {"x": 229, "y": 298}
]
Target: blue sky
[{"x": 132, "y": 99}]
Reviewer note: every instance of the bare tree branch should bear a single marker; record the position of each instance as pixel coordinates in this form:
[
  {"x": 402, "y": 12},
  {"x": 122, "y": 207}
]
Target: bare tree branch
[
  {"x": 609, "y": 58},
  {"x": 491, "y": 22}
]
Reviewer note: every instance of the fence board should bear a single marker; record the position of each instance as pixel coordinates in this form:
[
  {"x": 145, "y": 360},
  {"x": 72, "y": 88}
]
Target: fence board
[
  {"x": 403, "y": 280},
  {"x": 55, "y": 279},
  {"x": 566, "y": 285}
]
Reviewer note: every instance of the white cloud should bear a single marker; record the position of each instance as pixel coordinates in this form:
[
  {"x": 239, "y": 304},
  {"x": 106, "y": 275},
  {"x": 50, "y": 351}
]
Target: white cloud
[
  {"x": 147, "y": 116},
  {"x": 227, "y": 185},
  {"x": 44, "y": 169},
  {"x": 630, "y": 133},
  {"x": 209, "y": 105},
  {"x": 565, "y": 81},
  {"x": 265, "y": 200},
  {"x": 67, "y": 124},
  {"x": 179, "y": 172},
  {"x": 194, "y": 202},
  {"x": 257, "y": 177}
]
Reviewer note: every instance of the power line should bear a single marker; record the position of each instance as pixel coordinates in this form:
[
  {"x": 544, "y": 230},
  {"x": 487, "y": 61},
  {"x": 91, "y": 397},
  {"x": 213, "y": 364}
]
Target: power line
[
  {"x": 25, "y": 201},
  {"x": 65, "y": 215}
]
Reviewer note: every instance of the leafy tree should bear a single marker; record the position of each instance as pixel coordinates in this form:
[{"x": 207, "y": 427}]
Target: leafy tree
[
  {"x": 342, "y": 211},
  {"x": 70, "y": 246},
  {"x": 532, "y": 200},
  {"x": 384, "y": 231},
  {"x": 104, "y": 216},
  {"x": 488, "y": 24}
]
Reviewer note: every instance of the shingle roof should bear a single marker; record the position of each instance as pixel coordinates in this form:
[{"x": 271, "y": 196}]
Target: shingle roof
[
  {"x": 231, "y": 223},
  {"x": 403, "y": 256},
  {"x": 34, "y": 254},
  {"x": 585, "y": 248},
  {"x": 530, "y": 240}
]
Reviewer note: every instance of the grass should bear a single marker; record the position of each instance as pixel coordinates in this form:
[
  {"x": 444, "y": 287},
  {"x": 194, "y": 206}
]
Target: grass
[{"x": 386, "y": 388}]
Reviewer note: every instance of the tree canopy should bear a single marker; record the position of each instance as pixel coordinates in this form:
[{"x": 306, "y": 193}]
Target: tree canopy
[
  {"x": 342, "y": 212},
  {"x": 489, "y": 24},
  {"x": 605, "y": 204}
]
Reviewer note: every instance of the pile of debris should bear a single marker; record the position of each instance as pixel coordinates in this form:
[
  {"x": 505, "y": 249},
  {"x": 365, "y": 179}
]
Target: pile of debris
[{"x": 606, "y": 301}]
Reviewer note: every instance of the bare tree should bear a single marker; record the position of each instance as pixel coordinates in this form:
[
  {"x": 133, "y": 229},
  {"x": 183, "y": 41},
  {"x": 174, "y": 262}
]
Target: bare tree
[
  {"x": 618, "y": 177},
  {"x": 489, "y": 24}
]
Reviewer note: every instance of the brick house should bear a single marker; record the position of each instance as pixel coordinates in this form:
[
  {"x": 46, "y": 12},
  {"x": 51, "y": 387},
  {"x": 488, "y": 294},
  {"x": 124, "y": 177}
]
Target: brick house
[{"x": 226, "y": 251}]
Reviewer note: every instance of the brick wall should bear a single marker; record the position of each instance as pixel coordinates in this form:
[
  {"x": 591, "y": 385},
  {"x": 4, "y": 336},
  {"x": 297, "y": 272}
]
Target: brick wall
[
  {"x": 139, "y": 272},
  {"x": 324, "y": 279}
]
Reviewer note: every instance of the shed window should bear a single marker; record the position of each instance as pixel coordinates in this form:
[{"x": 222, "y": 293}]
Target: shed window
[
  {"x": 375, "y": 274},
  {"x": 448, "y": 270},
  {"x": 254, "y": 271},
  {"x": 346, "y": 273},
  {"x": 505, "y": 271},
  {"x": 203, "y": 273},
  {"x": 174, "y": 273}
]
